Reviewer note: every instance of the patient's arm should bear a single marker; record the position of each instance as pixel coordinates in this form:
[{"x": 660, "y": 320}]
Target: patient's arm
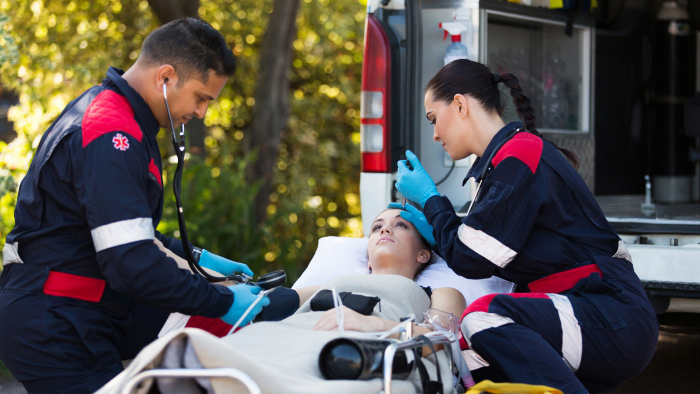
[
  {"x": 306, "y": 292},
  {"x": 445, "y": 298},
  {"x": 449, "y": 300},
  {"x": 353, "y": 321}
]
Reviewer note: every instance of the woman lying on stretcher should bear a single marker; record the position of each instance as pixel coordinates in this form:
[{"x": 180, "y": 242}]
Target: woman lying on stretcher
[
  {"x": 394, "y": 248},
  {"x": 285, "y": 354}
]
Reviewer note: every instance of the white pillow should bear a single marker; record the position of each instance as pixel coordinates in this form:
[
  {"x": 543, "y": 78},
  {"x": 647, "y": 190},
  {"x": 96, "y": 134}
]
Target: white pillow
[{"x": 342, "y": 255}]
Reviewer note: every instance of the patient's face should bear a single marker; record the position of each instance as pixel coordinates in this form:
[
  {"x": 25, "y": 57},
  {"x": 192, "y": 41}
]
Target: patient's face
[{"x": 394, "y": 243}]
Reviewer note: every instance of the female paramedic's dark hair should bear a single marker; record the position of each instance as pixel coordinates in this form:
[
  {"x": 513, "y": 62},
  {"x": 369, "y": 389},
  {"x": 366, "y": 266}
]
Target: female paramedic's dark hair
[
  {"x": 476, "y": 80},
  {"x": 191, "y": 46}
]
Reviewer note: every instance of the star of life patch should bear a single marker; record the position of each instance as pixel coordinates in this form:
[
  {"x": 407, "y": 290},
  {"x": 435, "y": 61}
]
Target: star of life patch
[{"x": 120, "y": 142}]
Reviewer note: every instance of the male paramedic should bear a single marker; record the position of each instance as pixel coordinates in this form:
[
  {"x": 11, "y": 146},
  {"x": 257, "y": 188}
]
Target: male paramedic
[{"x": 84, "y": 285}]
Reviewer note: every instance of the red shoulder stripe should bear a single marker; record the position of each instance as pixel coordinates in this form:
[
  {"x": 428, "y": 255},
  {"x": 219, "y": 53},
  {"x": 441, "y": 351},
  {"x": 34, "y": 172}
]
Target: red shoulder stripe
[
  {"x": 109, "y": 111},
  {"x": 525, "y": 147},
  {"x": 153, "y": 168}
]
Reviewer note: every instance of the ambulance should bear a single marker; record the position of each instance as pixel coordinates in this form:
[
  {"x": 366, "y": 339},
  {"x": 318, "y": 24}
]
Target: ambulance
[{"x": 617, "y": 84}]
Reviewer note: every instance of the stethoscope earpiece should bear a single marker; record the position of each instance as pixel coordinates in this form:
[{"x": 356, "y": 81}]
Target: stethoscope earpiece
[{"x": 165, "y": 94}]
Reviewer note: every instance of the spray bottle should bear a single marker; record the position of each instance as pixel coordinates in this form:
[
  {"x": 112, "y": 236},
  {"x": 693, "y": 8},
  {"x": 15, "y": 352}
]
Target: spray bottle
[{"x": 456, "y": 50}]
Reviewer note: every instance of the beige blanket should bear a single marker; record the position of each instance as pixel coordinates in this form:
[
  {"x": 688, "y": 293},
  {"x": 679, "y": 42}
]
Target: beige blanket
[{"x": 282, "y": 356}]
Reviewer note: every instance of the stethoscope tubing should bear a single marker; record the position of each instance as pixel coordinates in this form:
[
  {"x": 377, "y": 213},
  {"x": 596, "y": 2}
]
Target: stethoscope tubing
[
  {"x": 485, "y": 171},
  {"x": 177, "y": 187}
]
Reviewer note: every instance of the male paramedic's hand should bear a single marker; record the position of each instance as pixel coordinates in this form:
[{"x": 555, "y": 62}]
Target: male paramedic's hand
[
  {"x": 414, "y": 184},
  {"x": 222, "y": 265},
  {"x": 413, "y": 215},
  {"x": 243, "y": 296}
]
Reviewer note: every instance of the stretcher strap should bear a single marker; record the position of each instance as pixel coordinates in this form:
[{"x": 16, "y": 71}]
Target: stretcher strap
[
  {"x": 429, "y": 386},
  {"x": 562, "y": 281},
  {"x": 74, "y": 286}
]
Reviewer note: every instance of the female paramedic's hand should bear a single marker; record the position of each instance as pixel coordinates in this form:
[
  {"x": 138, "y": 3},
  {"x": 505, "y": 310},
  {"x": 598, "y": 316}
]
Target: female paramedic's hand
[
  {"x": 222, "y": 265},
  {"x": 414, "y": 184},
  {"x": 413, "y": 215},
  {"x": 352, "y": 321},
  {"x": 243, "y": 296}
]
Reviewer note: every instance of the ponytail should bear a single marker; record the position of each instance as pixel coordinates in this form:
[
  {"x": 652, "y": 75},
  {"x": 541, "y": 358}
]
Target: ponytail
[
  {"x": 522, "y": 105},
  {"x": 476, "y": 80}
]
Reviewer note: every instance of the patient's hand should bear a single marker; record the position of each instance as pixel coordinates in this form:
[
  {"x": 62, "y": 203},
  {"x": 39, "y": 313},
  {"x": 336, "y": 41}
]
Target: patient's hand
[{"x": 353, "y": 321}]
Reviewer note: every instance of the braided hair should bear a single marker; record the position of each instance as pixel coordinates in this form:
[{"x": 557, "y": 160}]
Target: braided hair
[{"x": 476, "y": 80}]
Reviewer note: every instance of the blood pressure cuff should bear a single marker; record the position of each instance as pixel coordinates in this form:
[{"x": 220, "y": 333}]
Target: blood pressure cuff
[
  {"x": 323, "y": 301},
  {"x": 283, "y": 303}
]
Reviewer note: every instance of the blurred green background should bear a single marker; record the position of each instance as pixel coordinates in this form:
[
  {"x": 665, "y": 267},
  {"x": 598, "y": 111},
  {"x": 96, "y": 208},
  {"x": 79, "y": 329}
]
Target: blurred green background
[{"x": 52, "y": 51}]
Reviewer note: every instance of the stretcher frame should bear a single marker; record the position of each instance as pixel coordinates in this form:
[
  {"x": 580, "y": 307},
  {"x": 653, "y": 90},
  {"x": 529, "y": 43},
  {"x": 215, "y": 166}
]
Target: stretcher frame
[
  {"x": 187, "y": 373},
  {"x": 435, "y": 337}
]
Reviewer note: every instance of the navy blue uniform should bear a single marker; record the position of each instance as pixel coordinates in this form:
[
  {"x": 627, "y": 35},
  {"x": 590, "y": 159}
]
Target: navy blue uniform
[
  {"x": 83, "y": 280},
  {"x": 581, "y": 317}
]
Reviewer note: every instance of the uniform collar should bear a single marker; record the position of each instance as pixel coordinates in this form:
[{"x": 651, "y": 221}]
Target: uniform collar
[
  {"x": 479, "y": 164},
  {"x": 144, "y": 116}
]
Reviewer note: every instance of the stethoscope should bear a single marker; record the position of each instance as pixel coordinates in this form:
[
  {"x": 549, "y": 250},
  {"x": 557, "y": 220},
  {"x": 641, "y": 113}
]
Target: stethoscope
[
  {"x": 267, "y": 282},
  {"x": 480, "y": 179}
]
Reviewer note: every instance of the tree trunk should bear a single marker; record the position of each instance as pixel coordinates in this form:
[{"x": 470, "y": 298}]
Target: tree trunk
[
  {"x": 166, "y": 11},
  {"x": 169, "y": 10},
  {"x": 271, "y": 110}
]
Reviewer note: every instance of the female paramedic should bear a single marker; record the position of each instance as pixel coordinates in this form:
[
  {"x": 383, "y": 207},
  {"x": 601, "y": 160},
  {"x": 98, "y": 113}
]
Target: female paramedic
[
  {"x": 84, "y": 285},
  {"x": 580, "y": 320}
]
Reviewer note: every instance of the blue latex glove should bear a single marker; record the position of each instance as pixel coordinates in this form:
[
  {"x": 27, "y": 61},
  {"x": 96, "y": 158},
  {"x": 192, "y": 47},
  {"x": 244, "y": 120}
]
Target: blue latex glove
[
  {"x": 243, "y": 296},
  {"x": 413, "y": 215},
  {"x": 222, "y": 265},
  {"x": 416, "y": 185}
]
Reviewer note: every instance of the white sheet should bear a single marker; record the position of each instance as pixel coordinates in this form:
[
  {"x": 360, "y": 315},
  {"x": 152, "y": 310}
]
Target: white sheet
[
  {"x": 283, "y": 356},
  {"x": 343, "y": 255}
]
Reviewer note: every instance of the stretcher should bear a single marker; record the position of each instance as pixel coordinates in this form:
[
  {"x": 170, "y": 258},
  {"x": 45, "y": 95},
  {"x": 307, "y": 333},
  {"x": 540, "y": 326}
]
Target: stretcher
[
  {"x": 334, "y": 256},
  {"x": 144, "y": 380}
]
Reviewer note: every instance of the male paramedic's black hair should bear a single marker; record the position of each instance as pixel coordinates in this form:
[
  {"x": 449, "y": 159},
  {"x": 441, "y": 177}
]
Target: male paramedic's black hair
[
  {"x": 467, "y": 77},
  {"x": 192, "y": 47}
]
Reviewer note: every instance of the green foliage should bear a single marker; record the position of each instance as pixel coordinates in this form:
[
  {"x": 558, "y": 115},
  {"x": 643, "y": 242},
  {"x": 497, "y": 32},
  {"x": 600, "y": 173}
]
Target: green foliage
[
  {"x": 217, "y": 204},
  {"x": 218, "y": 209},
  {"x": 318, "y": 165},
  {"x": 66, "y": 47},
  {"x": 61, "y": 48},
  {"x": 3, "y": 369},
  {"x": 316, "y": 181},
  {"x": 8, "y": 48}
]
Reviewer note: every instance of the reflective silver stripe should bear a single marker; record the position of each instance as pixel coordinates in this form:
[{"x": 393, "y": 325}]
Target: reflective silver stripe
[
  {"x": 476, "y": 322},
  {"x": 486, "y": 246},
  {"x": 474, "y": 360},
  {"x": 622, "y": 251},
  {"x": 571, "y": 339},
  {"x": 122, "y": 232},
  {"x": 10, "y": 254}
]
